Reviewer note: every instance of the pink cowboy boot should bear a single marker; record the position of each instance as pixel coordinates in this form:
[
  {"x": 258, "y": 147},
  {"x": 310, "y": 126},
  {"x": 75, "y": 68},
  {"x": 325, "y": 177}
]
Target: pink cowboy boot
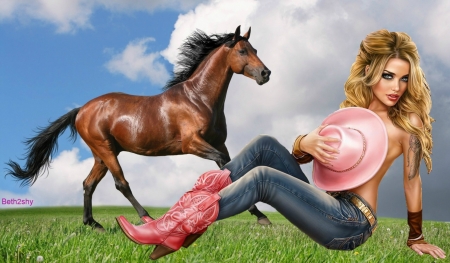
[
  {"x": 209, "y": 181},
  {"x": 146, "y": 219},
  {"x": 185, "y": 221},
  {"x": 212, "y": 181}
]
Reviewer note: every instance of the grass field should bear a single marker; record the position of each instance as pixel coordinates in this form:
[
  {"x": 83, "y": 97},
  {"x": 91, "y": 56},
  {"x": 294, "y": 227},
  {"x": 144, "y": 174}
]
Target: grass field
[{"x": 58, "y": 235}]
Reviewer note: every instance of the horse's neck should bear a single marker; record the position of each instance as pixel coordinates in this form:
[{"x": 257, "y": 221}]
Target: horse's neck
[{"x": 212, "y": 77}]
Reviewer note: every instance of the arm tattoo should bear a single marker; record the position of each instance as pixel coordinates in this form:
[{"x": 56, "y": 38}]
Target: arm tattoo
[{"x": 413, "y": 159}]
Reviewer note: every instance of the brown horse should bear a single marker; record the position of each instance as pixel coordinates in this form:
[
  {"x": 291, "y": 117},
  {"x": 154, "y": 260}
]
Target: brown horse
[{"x": 187, "y": 118}]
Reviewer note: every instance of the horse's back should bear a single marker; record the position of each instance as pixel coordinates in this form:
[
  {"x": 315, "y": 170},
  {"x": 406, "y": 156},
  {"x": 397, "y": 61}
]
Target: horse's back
[
  {"x": 117, "y": 103},
  {"x": 133, "y": 123}
]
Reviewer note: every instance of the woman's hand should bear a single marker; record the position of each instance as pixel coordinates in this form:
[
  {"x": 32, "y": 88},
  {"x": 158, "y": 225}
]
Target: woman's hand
[
  {"x": 433, "y": 250},
  {"x": 315, "y": 145}
]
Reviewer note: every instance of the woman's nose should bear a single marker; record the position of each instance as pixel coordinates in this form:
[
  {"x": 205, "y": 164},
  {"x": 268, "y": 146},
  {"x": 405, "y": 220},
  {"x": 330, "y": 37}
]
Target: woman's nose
[{"x": 395, "y": 86}]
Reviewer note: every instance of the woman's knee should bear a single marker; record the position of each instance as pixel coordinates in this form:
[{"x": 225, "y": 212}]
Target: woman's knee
[
  {"x": 259, "y": 173},
  {"x": 264, "y": 139}
]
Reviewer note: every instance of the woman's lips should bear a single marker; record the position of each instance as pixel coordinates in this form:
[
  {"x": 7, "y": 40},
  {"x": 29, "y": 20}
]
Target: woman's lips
[{"x": 393, "y": 97}]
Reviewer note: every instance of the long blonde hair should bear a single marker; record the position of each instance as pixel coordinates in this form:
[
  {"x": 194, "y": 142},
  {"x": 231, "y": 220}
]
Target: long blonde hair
[{"x": 375, "y": 51}]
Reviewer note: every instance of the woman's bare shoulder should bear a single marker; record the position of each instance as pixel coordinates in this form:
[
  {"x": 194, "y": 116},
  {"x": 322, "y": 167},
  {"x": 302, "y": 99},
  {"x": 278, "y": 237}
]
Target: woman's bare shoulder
[
  {"x": 415, "y": 120},
  {"x": 405, "y": 136}
]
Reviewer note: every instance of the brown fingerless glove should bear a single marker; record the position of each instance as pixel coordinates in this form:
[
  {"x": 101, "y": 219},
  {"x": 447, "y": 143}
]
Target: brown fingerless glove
[
  {"x": 415, "y": 229},
  {"x": 300, "y": 156}
]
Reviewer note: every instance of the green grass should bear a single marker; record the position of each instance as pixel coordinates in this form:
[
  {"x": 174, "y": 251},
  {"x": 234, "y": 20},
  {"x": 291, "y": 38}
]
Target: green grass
[{"x": 58, "y": 234}]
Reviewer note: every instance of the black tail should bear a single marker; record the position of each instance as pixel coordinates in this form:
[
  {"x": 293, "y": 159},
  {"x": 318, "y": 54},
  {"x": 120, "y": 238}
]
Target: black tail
[{"x": 41, "y": 148}]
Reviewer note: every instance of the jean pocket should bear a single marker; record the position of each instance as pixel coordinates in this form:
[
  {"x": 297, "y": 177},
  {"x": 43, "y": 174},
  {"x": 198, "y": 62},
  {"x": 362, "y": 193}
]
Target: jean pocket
[{"x": 346, "y": 243}]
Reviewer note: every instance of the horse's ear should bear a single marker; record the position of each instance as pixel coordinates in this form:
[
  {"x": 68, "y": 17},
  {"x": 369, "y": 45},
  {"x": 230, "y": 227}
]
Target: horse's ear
[
  {"x": 237, "y": 33},
  {"x": 247, "y": 35}
]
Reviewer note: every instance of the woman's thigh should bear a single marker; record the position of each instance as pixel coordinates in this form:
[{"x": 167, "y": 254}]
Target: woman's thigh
[{"x": 264, "y": 150}]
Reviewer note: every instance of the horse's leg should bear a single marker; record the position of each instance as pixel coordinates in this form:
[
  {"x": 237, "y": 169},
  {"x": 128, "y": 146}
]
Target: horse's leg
[
  {"x": 89, "y": 184},
  {"x": 262, "y": 218},
  {"x": 198, "y": 146},
  {"x": 110, "y": 160}
]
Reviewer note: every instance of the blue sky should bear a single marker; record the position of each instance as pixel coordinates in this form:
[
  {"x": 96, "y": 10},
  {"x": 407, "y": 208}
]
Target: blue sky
[{"x": 57, "y": 56}]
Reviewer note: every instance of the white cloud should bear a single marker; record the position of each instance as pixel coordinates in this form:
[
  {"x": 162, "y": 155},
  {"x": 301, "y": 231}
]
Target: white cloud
[
  {"x": 435, "y": 32},
  {"x": 67, "y": 16},
  {"x": 62, "y": 185},
  {"x": 8, "y": 8},
  {"x": 70, "y": 15},
  {"x": 212, "y": 17},
  {"x": 145, "y": 5},
  {"x": 135, "y": 63}
]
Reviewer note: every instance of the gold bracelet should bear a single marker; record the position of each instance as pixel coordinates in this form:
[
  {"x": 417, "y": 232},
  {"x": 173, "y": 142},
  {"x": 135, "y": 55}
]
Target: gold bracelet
[
  {"x": 299, "y": 139},
  {"x": 305, "y": 157}
]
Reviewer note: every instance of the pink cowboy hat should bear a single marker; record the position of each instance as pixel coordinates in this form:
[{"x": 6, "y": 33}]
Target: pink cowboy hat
[{"x": 363, "y": 148}]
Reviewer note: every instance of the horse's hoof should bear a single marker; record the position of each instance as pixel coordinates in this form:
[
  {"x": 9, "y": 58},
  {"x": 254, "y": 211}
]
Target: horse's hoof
[
  {"x": 96, "y": 226},
  {"x": 99, "y": 229},
  {"x": 264, "y": 221}
]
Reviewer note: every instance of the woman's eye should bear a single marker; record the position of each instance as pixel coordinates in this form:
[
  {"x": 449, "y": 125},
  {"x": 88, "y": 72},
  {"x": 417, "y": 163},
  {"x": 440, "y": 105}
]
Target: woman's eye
[
  {"x": 386, "y": 76},
  {"x": 405, "y": 79}
]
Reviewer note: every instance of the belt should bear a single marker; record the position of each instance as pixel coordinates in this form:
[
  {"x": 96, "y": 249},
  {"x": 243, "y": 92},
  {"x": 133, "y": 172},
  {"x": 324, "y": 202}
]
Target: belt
[{"x": 365, "y": 210}]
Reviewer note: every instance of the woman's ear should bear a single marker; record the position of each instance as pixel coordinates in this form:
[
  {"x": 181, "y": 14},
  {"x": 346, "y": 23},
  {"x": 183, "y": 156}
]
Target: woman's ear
[{"x": 367, "y": 69}]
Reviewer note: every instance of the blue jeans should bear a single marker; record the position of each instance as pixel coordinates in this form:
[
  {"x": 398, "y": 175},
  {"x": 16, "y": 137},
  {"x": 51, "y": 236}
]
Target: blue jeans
[{"x": 265, "y": 171}]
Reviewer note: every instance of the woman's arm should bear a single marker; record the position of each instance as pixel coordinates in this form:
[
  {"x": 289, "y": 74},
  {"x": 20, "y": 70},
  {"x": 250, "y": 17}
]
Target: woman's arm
[
  {"x": 314, "y": 145},
  {"x": 412, "y": 155}
]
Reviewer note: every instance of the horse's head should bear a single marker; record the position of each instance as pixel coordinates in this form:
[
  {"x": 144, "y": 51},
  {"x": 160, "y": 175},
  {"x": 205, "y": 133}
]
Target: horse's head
[{"x": 242, "y": 58}]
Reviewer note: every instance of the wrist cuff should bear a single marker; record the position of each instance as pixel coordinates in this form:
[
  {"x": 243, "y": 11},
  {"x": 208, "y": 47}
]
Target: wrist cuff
[{"x": 415, "y": 228}]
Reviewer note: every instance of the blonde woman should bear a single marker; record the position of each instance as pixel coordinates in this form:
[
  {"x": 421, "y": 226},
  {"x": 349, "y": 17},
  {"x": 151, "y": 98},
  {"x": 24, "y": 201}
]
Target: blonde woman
[{"x": 385, "y": 115}]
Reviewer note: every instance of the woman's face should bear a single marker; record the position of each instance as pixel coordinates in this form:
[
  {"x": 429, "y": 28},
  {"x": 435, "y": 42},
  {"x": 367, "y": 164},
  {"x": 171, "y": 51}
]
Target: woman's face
[{"x": 393, "y": 83}]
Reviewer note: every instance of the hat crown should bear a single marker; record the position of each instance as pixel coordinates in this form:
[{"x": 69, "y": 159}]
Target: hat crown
[
  {"x": 351, "y": 147},
  {"x": 363, "y": 148}
]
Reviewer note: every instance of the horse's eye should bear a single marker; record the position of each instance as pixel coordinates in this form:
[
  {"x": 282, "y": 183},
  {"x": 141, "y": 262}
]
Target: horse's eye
[{"x": 242, "y": 52}]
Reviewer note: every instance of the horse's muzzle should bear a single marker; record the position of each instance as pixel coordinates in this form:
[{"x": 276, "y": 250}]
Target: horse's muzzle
[{"x": 263, "y": 76}]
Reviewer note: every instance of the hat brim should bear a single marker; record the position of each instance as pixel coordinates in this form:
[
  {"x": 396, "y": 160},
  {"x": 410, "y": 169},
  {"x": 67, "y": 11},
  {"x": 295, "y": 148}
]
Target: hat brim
[{"x": 373, "y": 128}]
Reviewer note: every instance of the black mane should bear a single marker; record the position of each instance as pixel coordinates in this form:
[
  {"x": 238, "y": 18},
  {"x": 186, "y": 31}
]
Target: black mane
[{"x": 192, "y": 52}]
